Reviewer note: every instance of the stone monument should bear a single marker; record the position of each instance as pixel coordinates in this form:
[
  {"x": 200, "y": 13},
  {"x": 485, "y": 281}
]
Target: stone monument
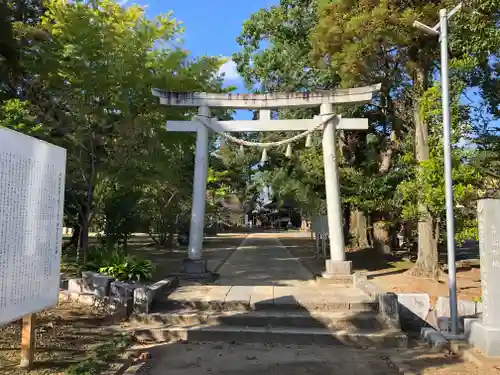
[{"x": 485, "y": 333}]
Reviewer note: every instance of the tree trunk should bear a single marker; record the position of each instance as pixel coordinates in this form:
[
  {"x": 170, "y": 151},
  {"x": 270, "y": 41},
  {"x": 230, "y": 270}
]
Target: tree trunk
[
  {"x": 162, "y": 239},
  {"x": 382, "y": 239},
  {"x": 369, "y": 231},
  {"x": 74, "y": 238},
  {"x": 347, "y": 223},
  {"x": 84, "y": 235},
  {"x": 427, "y": 260},
  {"x": 170, "y": 238},
  {"x": 152, "y": 236},
  {"x": 86, "y": 210}
]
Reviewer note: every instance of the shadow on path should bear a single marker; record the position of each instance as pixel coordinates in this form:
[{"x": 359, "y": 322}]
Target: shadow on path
[
  {"x": 246, "y": 343},
  {"x": 263, "y": 260}
]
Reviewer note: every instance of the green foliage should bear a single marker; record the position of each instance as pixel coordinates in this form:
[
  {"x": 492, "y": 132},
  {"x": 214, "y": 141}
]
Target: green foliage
[
  {"x": 87, "y": 73},
  {"x": 476, "y": 39},
  {"x": 15, "y": 114},
  {"x": 428, "y": 185},
  {"x": 396, "y": 170},
  {"x": 129, "y": 269},
  {"x": 79, "y": 74},
  {"x": 120, "y": 212},
  {"x": 116, "y": 263},
  {"x": 285, "y": 64},
  {"x": 100, "y": 356}
]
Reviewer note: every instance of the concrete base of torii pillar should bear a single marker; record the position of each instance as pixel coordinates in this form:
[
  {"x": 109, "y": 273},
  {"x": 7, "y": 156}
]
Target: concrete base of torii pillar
[
  {"x": 334, "y": 268},
  {"x": 195, "y": 268}
]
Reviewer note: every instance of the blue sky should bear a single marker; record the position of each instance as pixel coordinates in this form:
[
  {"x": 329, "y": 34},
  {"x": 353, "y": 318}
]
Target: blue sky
[{"x": 211, "y": 28}]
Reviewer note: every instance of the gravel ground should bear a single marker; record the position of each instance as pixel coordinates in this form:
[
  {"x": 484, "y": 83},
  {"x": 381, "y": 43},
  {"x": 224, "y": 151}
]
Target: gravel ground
[
  {"x": 65, "y": 336},
  {"x": 390, "y": 275}
]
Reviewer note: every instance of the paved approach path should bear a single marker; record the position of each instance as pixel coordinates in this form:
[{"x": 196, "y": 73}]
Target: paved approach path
[
  {"x": 262, "y": 271},
  {"x": 251, "y": 359},
  {"x": 263, "y": 260},
  {"x": 186, "y": 358},
  {"x": 259, "y": 268}
]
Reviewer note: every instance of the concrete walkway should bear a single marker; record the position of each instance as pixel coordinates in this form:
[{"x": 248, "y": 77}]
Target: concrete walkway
[
  {"x": 250, "y": 359},
  {"x": 261, "y": 271},
  {"x": 263, "y": 260}
]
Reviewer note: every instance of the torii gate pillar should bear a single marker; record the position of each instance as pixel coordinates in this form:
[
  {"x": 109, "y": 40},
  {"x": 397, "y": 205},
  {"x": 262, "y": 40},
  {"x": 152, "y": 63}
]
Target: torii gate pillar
[
  {"x": 195, "y": 264},
  {"x": 335, "y": 266}
]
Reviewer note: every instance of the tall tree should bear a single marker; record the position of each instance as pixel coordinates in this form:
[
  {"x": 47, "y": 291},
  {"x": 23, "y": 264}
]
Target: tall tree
[
  {"x": 15, "y": 13},
  {"x": 374, "y": 41},
  {"x": 276, "y": 53},
  {"x": 89, "y": 87}
]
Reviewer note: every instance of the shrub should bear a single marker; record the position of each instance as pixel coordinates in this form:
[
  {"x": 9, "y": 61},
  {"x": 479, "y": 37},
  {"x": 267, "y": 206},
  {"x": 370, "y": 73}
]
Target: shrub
[
  {"x": 131, "y": 269},
  {"x": 115, "y": 263}
]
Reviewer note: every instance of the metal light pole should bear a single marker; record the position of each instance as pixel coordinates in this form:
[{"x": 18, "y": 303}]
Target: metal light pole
[{"x": 441, "y": 30}]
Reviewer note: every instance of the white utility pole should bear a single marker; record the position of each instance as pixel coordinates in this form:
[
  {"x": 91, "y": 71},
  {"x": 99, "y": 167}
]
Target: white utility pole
[{"x": 441, "y": 30}]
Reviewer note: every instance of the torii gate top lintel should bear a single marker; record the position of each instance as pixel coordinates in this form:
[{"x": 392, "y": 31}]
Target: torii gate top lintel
[{"x": 362, "y": 94}]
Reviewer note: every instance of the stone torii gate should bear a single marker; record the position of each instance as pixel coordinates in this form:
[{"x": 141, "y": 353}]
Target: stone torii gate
[{"x": 203, "y": 124}]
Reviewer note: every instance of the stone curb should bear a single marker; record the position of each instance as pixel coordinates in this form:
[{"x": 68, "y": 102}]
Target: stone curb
[
  {"x": 413, "y": 309},
  {"x": 434, "y": 338},
  {"x": 121, "y": 296},
  {"x": 129, "y": 369},
  {"x": 117, "y": 311},
  {"x": 387, "y": 302},
  {"x": 466, "y": 308},
  {"x": 136, "y": 368},
  {"x": 83, "y": 298}
]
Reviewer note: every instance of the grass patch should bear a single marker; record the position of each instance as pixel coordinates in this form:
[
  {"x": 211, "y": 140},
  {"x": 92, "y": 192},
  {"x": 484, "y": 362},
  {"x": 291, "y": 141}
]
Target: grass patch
[
  {"x": 401, "y": 264},
  {"x": 100, "y": 356}
]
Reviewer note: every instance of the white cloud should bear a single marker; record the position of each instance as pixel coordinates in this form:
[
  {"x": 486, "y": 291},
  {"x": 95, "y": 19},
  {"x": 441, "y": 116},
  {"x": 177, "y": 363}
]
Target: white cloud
[{"x": 229, "y": 71}]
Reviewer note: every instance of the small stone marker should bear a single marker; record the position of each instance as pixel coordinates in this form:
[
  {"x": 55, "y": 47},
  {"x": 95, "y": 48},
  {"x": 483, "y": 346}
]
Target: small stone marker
[
  {"x": 91, "y": 283},
  {"x": 143, "y": 297},
  {"x": 485, "y": 334},
  {"x": 413, "y": 305},
  {"x": 464, "y": 308}
]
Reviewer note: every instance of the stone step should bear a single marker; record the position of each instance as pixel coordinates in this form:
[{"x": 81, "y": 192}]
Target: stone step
[
  {"x": 286, "y": 298},
  {"x": 299, "y": 319},
  {"x": 281, "y": 304},
  {"x": 279, "y": 335}
]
